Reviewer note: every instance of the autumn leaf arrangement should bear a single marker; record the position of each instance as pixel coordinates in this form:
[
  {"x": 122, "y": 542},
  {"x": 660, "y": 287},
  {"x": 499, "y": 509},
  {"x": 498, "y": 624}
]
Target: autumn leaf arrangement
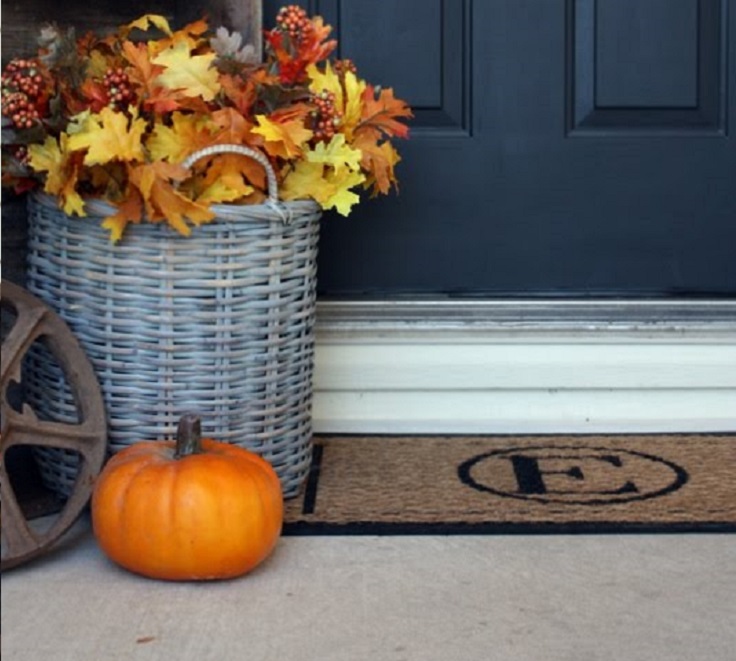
[{"x": 114, "y": 117}]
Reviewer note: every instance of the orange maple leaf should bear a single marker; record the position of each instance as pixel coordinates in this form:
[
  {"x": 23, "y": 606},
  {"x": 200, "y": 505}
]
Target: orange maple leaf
[
  {"x": 236, "y": 130},
  {"x": 242, "y": 94},
  {"x": 226, "y": 179},
  {"x": 156, "y": 183},
  {"x": 95, "y": 93},
  {"x": 284, "y": 133},
  {"x": 382, "y": 112},
  {"x": 379, "y": 162},
  {"x": 143, "y": 73},
  {"x": 233, "y": 128},
  {"x": 196, "y": 28},
  {"x": 315, "y": 47},
  {"x": 130, "y": 210}
]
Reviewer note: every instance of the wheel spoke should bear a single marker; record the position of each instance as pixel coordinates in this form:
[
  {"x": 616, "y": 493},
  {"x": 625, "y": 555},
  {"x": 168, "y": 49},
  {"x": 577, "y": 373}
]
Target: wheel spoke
[
  {"x": 19, "y": 538},
  {"x": 19, "y": 340},
  {"x": 27, "y": 429}
]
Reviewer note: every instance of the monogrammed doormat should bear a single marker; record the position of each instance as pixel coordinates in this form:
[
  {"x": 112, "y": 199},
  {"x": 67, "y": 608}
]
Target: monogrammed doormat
[{"x": 518, "y": 484}]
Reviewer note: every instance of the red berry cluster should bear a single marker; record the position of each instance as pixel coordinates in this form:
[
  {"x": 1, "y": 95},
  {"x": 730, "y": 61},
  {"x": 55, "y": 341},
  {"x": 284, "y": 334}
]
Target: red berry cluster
[
  {"x": 23, "y": 90},
  {"x": 326, "y": 118},
  {"x": 20, "y": 153},
  {"x": 118, "y": 88},
  {"x": 294, "y": 20},
  {"x": 343, "y": 66}
]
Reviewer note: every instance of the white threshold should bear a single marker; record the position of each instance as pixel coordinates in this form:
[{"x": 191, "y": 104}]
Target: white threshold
[{"x": 525, "y": 367}]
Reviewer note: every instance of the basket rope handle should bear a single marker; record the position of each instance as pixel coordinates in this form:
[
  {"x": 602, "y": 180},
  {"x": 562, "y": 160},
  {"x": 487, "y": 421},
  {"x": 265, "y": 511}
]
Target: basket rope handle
[{"x": 273, "y": 192}]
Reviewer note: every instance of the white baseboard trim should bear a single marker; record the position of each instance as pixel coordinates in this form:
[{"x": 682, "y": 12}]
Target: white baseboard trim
[{"x": 541, "y": 372}]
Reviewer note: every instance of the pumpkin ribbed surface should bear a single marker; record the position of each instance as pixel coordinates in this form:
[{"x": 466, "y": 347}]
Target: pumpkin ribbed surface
[{"x": 210, "y": 515}]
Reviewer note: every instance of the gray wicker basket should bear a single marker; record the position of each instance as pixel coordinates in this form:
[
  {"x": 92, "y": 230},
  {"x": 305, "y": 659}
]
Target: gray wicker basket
[{"x": 219, "y": 323}]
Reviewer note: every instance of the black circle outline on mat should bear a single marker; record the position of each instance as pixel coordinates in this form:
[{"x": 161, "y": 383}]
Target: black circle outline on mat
[{"x": 682, "y": 476}]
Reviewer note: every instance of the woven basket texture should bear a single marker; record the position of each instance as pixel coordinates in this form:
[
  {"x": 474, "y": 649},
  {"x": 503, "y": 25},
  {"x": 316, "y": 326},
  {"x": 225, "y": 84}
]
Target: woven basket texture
[{"x": 219, "y": 323}]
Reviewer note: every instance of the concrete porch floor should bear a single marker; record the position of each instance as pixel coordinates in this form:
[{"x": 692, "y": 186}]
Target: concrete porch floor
[{"x": 505, "y": 598}]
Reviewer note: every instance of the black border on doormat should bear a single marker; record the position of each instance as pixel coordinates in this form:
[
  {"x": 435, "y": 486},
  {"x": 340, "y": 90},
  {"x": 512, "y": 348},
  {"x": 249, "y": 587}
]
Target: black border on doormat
[
  {"x": 377, "y": 528},
  {"x": 367, "y": 528}
]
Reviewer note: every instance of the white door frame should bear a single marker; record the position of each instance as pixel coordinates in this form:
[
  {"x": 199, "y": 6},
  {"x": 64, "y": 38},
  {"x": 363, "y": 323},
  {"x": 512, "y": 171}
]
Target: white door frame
[{"x": 525, "y": 366}]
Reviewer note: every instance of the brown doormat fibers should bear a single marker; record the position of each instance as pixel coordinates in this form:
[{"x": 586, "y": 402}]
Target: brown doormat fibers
[{"x": 518, "y": 484}]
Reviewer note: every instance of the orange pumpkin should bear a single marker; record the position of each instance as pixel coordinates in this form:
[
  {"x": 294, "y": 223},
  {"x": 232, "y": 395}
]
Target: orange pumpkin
[{"x": 196, "y": 509}]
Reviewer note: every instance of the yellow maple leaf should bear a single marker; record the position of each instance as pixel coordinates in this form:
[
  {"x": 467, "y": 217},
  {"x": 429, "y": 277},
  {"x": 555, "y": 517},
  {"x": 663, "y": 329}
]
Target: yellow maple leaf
[
  {"x": 337, "y": 154},
  {"x": 283, "y": 139},
  {"x": 353, "y": 110},
  {"x": 236, "y": 170},
  {"x": 328, "y": 81},
  {"x": 72, "y": 202},
  {"x": 62, "y": 172},
  {"x": 349, "y": 101},
  {"x": 223, "y": 190},
  {"x": 48, "y": 158},
  {"x": 145, "y": 22},
  {"x": 192, "y": 75},
  {"x": 331, "y": 189},
  {"x": 187, "y": 134},
  {"x": 79, "y": 122},
  {"x": 110, "y": 136},
  {"x": 97, "y": 66},
  {"x": 143, "y": 73}
]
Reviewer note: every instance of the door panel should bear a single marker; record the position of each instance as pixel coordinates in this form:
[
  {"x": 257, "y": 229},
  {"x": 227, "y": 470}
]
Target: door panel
[
  {"x": 648, "y": 64},
  {"x": 424, "y": 54},
  {"x": 641, "y": 60},
  {"x": 560, "y": 148}
]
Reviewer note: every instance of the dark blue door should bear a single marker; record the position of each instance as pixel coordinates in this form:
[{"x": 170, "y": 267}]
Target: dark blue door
[{"x": 560, "y": 148}]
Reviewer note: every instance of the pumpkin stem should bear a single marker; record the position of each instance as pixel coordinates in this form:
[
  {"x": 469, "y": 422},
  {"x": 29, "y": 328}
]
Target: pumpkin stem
[{"x": 188, "y": 436}]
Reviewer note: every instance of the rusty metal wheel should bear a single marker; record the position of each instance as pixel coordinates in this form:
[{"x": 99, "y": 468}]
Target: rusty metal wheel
[{"x": 32, "y": 320}]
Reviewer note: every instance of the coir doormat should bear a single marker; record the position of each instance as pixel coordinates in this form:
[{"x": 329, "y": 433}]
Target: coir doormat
[{"x": 518, "y": 484}]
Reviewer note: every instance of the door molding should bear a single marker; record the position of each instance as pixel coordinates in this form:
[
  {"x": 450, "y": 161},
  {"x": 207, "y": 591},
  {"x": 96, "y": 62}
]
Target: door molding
[
  {"x": 525, "y": 366},
  {"x": 708, "y": 317}
]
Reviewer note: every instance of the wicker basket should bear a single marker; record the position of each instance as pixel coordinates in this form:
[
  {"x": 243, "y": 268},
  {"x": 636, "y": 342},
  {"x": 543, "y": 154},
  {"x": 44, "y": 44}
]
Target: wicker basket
[{"x": 219, "y": 323}]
